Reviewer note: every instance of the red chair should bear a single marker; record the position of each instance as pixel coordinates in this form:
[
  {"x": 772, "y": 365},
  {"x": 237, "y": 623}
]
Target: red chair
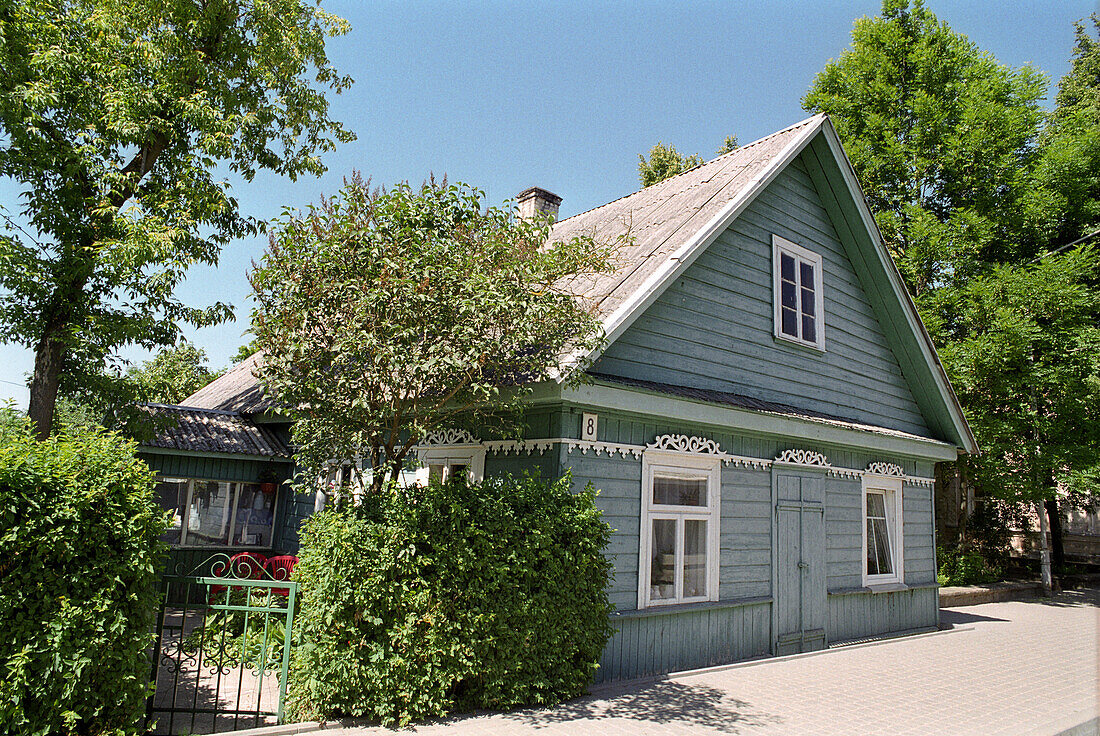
[
  {"x": 281, "y": 567},
  {"x": 244, "y": 565}
]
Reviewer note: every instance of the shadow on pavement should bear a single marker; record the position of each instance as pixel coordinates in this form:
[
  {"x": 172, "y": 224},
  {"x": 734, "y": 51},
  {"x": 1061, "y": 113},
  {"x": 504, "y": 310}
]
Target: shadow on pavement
[
  {"x": 660, "y": 702},
  {"x": 1071, "y": 598},
  {"x": 952, "y": 617}
]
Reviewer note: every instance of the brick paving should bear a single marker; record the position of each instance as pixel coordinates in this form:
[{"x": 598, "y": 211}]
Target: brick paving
[{"x": 1024, "y": 667}]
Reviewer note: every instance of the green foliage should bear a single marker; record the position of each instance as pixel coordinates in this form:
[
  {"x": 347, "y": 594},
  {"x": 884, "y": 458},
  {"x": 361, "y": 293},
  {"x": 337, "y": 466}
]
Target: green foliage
[
  {"x": 454, "y": 596},
  {"x": 1024, "y": 349},
  {"x": 963, "y": 566},
  {"x": 940, "y": 134},
  {"x": 663, "y": 162},
  {"x": 115, "y": 116},
  {"x": 79, "y": 553},
  {"x": 386, "y": 315},
  {"x": 172, "y": 375},
  {"x": 729, "y": 143}
]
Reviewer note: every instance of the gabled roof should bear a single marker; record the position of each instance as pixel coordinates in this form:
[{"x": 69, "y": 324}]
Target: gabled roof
[
  {"x": 669, "y": 220},
  {"x": 670, "y": 223},
  {"x": 237, "y": 390},
  {"x": 202, "y": 430}
]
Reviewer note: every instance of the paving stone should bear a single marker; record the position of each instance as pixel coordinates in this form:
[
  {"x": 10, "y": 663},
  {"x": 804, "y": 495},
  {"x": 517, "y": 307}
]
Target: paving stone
[{"x": 1010, "y": 667}]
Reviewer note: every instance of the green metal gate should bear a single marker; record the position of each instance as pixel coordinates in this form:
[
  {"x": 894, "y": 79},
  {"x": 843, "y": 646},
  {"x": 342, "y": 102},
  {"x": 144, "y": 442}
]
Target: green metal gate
[{"x": 222, "y": 649}]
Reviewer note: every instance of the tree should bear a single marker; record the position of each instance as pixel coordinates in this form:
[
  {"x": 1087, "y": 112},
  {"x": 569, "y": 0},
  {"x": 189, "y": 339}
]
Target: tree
[
  {"x": 942, "y": 137},
  {"x": 244, "y": 352},
  {"x": 665, "y": 161},
  {"x": 386, "y": 315},
  {"x": 172, "y": 375},
  {"x": 115, "y": 116},
  {"x": 971, "y": 184}
]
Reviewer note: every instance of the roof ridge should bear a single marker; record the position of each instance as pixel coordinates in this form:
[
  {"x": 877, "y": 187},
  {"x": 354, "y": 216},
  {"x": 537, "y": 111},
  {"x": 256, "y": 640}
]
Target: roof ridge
[
  {"x": 155, "y": 405},
  {"x": 758, "y": 141}
]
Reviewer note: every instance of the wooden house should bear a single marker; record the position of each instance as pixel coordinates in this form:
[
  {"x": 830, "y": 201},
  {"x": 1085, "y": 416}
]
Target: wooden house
[{"x": 762, "y": 423}]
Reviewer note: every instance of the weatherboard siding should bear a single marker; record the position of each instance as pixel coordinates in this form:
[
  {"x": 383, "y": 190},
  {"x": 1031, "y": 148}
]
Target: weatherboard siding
[
  {"x": 859, "y": 615},
  {"x": 713, "y": 327}
]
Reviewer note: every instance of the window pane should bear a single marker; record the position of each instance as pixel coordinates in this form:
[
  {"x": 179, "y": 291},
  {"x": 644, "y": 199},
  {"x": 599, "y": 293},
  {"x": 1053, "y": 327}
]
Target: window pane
[
  {"x": 876, "y": 505},
  {"x": 872, "y": 554},
  {"x": 435, "y": 471},
  {"x": 786, "y": 267},
  {"x": 172, "y": 495},
  {"x": 806, "y": 271},
  {"x": 789, "y": 294},
  {"x": 208, "y": 517},
  {"x": 789, "y": 322},
  {"x": 695, "y": 558},
  {"x": 255, "y": 515},
  {"x": 882, "y": 547},
  {"x": 457, "y": 470},
  {"x": 809, "y": 329},
  {"x": 808, "y": 305},
  {"x": 680, "y": 491},
  {"x": 662, "y": 567}
]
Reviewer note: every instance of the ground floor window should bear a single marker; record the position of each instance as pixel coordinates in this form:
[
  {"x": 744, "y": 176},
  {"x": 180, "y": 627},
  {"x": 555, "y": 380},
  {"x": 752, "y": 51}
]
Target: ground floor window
[
  {"x": 445, "y": 462},
  {"x": 678, "y": 556},
  {"x": 218, "y": 513},
  {"x": 882, "y": 530}
]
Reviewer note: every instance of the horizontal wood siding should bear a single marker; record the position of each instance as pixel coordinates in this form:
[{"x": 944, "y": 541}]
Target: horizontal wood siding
[
  {"x": 860, "y": 615},
  {"x": 746, "y": 547},
  {"x": 920, "y": 550},
  {"x": 545, "y": 465},
  {"x": 296, "y": 508},
  {"x": 231, "y": 468},
  {"x": 619, "y": 482},
  {"x": 843, "y": 533},
  {"x": 713, "y": 328},
  {"x": 670, "y": 641}
]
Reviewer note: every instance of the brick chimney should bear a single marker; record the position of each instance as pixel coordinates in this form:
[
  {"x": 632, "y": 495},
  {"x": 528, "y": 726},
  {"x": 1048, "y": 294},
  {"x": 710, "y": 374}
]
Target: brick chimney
[{"x": 535, "y": 202}]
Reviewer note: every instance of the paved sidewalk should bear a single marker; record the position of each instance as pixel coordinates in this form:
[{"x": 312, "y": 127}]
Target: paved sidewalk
[{"x": 1023, "y": 667}]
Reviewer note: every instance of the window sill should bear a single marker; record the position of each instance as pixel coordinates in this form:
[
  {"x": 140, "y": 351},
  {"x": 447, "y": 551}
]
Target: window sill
[
  {"x": 674, "y": 608},
  {"x": 798, "y": 344},
  {"x": 886, "y": 587}
]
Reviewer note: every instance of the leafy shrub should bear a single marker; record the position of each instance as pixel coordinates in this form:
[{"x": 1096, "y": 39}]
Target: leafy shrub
[
  {"x": 79, "y": 550},
  {"x": 964, "y": 565},
  {"x": 455, "y": 596}
]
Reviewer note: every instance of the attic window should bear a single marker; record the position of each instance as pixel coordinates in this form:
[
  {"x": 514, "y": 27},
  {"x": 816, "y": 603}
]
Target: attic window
[{"x": 797, "y": 294}]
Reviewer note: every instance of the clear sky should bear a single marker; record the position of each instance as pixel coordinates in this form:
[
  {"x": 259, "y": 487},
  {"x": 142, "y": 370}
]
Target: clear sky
[{"x": 507, "y": 95}]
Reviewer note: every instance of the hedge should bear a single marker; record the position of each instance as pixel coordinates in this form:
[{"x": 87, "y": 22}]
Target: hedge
[
  {"x": 79, "y": 550},
  {"x": 451, "y": 597}
]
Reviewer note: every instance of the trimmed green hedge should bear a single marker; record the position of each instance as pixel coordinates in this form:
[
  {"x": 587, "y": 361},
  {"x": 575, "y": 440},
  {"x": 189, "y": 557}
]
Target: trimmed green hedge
[
  {"x": 79, "y": 549},
  {"x": 453, "y": 597}
]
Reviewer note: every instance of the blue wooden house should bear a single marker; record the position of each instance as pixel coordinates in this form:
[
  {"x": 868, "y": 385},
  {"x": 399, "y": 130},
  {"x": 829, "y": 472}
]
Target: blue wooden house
[{"x": 762, "y": 423}]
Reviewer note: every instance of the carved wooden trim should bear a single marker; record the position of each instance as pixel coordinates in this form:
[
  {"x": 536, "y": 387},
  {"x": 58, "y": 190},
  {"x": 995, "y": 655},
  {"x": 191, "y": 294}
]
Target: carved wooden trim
[
  {"x": 803, "y": 457},
  {"x": 886, "y": 469},
  {"x": 448, "y": 437},
  {"x": 683, "y": 443},
  {"x": 506, "y": 447}
]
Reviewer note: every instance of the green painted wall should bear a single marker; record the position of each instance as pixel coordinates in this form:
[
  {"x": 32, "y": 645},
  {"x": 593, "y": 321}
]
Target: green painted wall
[
  {"x": 685, "y": 639},
  {"x": 713, "y": 328},
  {"x": 862, "y": 615}
]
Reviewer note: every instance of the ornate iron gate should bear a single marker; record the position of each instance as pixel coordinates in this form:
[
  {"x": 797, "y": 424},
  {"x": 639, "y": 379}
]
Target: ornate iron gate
[{"x": 222, "y": 649}]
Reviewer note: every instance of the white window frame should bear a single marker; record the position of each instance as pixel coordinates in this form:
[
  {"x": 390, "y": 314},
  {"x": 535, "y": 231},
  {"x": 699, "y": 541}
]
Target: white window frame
[
  {"x": 229, "y": 514},
  {"x": 780, "y": 246},
  {"x": 891, "y": 488},
  {"x": 472, "y": 456},
  {"x": 679, "y": 465}
]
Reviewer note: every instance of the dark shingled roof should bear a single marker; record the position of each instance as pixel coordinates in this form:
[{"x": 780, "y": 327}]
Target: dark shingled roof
[
  {"x": 238, "y": 390},
  {"x": 205, "y": 430},
  {"x": 741, "y": 401}
]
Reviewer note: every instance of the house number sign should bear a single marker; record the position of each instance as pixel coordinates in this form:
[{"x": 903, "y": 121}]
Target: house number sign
[{"x": 588, "y": 427}]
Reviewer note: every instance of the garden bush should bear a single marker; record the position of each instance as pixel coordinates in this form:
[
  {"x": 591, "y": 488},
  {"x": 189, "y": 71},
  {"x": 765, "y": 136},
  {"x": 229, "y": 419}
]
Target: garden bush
[
  {"x": 79, "y": 551},
  {"x": 964, "y": 565},
  {"x": 451, "y": 597}
]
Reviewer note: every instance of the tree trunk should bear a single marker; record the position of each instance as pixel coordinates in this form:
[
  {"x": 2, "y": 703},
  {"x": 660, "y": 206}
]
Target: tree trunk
[
  {"x": 1044, "y": 550},
  {"x": 1056, "y": 544},
  {"x": 48, "y": 357}
]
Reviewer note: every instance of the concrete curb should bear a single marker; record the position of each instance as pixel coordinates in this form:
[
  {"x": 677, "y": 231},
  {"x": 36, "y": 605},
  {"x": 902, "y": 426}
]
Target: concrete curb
[
  {"x": 972, "y": 595},
  {"x": 292, "y": 729}
]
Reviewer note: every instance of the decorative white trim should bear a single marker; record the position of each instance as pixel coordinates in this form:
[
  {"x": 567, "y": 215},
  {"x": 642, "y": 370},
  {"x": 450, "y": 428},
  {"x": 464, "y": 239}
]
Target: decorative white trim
[
  {"x": 803, "y": 457},
  {"x": 892, "y": 490},
  {"x": 506, "y": 447},
  {"x": 598, "y": 448},
  {"x": 886, "y": 469},
  {"x": 683, "y": 443},
  {"x": 448, "y": 437}
]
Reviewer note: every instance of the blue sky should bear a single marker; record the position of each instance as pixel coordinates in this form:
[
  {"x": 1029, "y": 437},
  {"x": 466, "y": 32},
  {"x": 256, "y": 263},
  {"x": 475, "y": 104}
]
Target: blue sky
[{"x": 507, "y": 95}]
